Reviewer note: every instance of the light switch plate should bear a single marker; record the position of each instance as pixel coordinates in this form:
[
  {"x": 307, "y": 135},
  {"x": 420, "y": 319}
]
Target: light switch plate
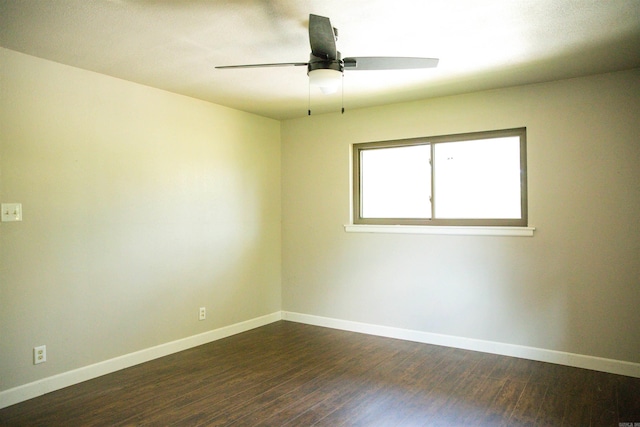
[{"x": 11, "y": 212}]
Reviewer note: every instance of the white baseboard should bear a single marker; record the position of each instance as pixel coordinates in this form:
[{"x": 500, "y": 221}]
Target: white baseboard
[
  {"x": 613, "y": 366},
  {"x": 65, "y": 379}
]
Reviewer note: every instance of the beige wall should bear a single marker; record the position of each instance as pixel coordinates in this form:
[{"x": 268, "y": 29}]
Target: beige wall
[
  {"x": 139, "y": 207},
  {"x": 574, "y": 286}
]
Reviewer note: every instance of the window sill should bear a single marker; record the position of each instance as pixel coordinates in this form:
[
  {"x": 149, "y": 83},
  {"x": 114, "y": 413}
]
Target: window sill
[{"x": 448, "y": 230}]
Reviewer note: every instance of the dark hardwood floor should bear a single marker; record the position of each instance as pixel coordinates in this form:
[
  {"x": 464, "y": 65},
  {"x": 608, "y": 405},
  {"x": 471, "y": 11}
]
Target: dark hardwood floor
[{"x": 289, "y": 374}]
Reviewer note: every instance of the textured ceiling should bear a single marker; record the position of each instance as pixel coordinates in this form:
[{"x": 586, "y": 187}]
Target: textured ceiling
[{"x": 175, "y": 45}]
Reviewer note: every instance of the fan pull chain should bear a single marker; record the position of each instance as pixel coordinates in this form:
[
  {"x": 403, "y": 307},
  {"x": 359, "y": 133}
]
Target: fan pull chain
[
  {"x": 342, "y": 93},
  {"x": 309, "y": 100}
]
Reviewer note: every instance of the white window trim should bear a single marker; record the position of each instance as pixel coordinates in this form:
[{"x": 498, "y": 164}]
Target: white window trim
[{"x": 442, "y": 230}]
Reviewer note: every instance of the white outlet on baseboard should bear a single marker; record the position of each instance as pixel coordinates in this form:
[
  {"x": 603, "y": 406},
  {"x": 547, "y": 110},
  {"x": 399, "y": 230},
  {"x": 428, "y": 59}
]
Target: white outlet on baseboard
[
  {"x": 39, "y": 354},
  {"x": 203, "y": 313}
]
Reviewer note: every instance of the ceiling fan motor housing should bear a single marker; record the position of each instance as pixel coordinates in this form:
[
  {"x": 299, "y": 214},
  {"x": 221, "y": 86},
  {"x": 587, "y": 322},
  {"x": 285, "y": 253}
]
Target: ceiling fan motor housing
[
  {"x": 317, "y": 63},
  {"x": 326, "y": 74}
]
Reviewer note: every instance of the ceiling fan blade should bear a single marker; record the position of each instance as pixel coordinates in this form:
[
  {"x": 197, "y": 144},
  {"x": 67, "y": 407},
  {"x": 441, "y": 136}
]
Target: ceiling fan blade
[
  {"x": 322, "y": 38},
  {"x": 388, "y": 63},
  {"x": 280, "y": 64}
]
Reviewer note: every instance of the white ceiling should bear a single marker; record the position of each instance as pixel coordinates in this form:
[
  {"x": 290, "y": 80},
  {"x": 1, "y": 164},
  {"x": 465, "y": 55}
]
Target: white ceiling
[{"x": 175, "y": 44}]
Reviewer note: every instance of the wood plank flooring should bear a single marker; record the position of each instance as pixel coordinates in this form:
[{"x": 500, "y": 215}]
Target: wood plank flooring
[{"x": 290, "y": 374}]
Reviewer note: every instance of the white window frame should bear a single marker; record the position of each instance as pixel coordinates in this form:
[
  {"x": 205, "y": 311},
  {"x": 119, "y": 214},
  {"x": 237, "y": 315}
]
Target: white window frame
[{"x": 490, "y": 226}]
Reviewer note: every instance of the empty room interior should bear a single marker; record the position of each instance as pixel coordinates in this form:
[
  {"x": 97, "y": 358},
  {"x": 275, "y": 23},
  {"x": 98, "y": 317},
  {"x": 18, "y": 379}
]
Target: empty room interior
[{"x": 168, "y": 224}]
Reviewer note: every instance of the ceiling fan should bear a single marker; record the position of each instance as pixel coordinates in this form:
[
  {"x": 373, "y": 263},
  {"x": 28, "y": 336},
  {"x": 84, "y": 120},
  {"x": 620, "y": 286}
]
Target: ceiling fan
[{"x": 326, "y": 65}]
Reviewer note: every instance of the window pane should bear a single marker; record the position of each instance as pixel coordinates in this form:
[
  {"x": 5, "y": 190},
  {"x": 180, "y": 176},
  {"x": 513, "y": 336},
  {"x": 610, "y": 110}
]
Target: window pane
[
  {"x": 478, "y": 179},
  {"x": 396, "y": 182}
]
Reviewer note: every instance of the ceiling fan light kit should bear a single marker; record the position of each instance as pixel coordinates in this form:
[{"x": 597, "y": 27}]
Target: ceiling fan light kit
[
  {"x": 327, "y": 80},
  {"x": 326, "y": 66}
]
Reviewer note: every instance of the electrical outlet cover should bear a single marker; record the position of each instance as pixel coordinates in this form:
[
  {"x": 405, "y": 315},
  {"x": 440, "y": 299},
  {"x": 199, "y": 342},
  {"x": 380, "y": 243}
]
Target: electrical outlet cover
[{"x": 39, "y": 354}]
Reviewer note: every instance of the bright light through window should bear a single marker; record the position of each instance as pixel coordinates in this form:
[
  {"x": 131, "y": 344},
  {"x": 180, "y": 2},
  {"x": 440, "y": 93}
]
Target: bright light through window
[
  {"x": 396, "y": 182},
  {"x": 478, "y": 179},
  {"x": 465, "y": 179}
]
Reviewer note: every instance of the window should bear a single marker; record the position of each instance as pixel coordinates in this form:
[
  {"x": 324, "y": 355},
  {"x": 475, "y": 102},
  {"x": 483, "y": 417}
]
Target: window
[{"x": 476, "y": 179}]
